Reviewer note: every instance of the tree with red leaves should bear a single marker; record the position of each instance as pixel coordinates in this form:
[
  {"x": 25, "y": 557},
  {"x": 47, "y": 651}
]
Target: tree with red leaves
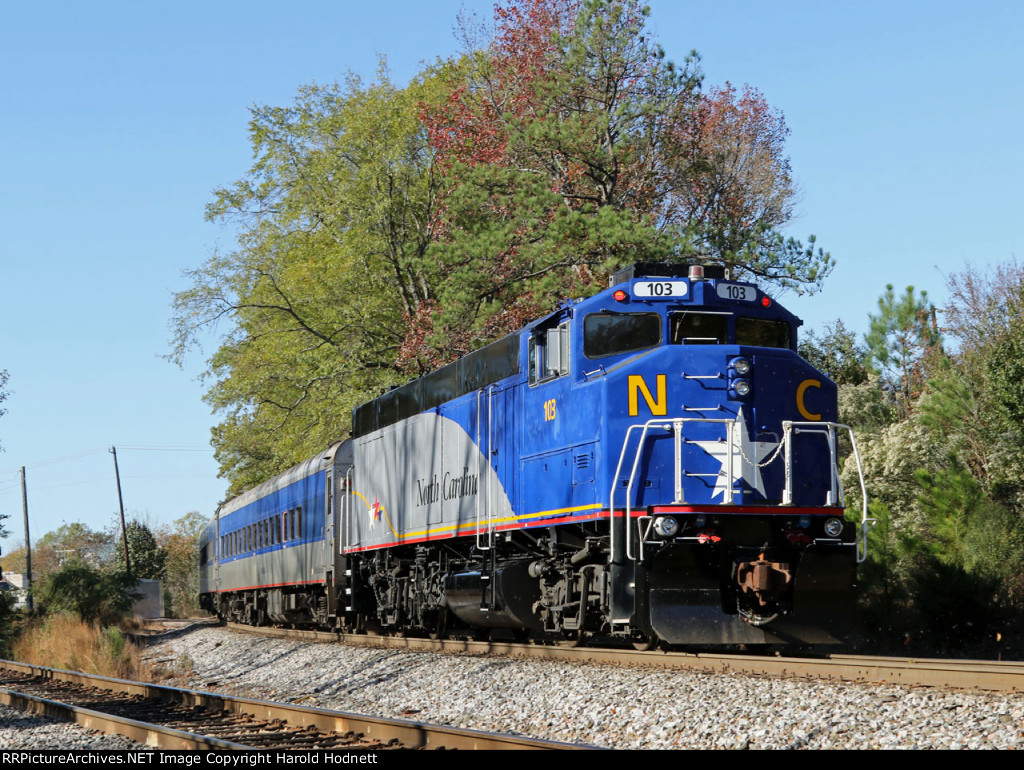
[
  {"x": 741, "y": 191},
  {"x": 572, "y": 147}
]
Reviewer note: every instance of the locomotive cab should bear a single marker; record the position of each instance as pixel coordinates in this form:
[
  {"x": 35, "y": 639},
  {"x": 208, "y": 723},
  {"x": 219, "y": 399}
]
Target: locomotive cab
[{"x": 727, "y": 513}]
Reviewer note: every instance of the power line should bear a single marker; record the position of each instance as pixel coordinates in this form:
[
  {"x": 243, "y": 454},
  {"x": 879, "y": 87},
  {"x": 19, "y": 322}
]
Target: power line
[
  {"x": 54, "y": 460},
  {"x": 89, "y": 452},
  {"x": 167, "y": 448}
]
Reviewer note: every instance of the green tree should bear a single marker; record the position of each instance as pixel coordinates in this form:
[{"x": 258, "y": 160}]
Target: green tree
[
  {"x": 148, "y": 559},
  {"x": 957, "y": 411},
  {"x": 950, "y": 497},
  {"x": 75, "y": 539},
  {"x": 180, "y": 542},
  {"x": 901, "y": 334},
  {"x": 1004, "y": 366},
  {"x": 336, "y": 215},
  {"x": 69, "y": 540},
  {"x": 836, "y": 353}
]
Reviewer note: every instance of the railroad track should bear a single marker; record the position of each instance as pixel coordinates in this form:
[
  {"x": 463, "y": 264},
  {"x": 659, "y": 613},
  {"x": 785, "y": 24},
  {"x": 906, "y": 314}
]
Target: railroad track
[
  {"x": 173, "y": 718},
  {"x": 995, "y": 676}
]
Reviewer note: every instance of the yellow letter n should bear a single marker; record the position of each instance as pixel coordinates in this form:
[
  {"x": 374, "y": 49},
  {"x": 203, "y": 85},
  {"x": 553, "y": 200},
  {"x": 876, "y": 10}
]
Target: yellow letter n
[{"x": 636, "y": 385}]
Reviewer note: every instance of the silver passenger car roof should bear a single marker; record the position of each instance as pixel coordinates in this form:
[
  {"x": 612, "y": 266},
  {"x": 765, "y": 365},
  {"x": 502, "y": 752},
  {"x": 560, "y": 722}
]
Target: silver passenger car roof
[{"x": 298, "y": 472}]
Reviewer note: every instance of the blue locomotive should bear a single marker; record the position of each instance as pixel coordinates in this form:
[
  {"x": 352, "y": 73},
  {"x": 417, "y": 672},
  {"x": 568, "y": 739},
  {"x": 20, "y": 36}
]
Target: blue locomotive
[{"x": 654, "y": 463}]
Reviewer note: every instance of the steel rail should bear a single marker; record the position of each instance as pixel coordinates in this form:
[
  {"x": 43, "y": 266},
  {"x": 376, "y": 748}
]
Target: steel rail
[
  {"x": 997, "y": 676},
  {"x": 150, "y": 735},
  {"x": 406, "y": 733}
]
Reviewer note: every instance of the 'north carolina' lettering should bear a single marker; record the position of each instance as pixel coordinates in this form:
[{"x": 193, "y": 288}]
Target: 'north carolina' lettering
[{"x": 451, "y": 488}]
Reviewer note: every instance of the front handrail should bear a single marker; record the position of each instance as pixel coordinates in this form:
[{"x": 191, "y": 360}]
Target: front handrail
[
  {"x": 791, "y": 428},
  {"x": 676, "y": 425}
]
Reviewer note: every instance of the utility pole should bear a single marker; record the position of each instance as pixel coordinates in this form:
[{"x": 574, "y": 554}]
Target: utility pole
[
  {"x": 120, "y": 502},
  {"x": 28, "y": 544}
]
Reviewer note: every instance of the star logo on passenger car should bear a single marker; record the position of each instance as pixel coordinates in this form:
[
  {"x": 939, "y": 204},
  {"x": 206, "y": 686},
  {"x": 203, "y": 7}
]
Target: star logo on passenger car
[{"x": 746, "y": 456}]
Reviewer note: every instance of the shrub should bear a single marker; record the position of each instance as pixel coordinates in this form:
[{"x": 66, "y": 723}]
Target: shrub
[
  {"x": 66, "y": 641},
  {"x": 95, "y": 596}
]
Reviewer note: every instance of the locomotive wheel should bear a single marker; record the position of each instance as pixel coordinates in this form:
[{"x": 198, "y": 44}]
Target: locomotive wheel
[
  {"x": 439, "y": 629},
  {"x": 574, "y": 639},
  {"x": 646, "y": 642}
]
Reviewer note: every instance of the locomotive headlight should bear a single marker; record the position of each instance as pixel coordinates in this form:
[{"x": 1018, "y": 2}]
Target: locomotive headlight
[
  {"x": 833, "y": 527},
  {"x": 742, "y": 387},
  {"x": 741, "y": 365},
  {"x": 666, "y": 526}
]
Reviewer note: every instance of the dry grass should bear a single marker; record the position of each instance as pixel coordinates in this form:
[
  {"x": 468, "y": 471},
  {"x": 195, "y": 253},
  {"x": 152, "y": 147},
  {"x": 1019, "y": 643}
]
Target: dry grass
[{"x": 64, "y": 641}]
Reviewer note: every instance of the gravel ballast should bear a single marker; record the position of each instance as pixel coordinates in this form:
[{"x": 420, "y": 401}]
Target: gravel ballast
[{"x": 593, "y": 704}]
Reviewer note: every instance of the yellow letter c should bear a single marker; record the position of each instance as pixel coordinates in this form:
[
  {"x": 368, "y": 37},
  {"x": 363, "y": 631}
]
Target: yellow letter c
[{"x": 800, "y": 398}]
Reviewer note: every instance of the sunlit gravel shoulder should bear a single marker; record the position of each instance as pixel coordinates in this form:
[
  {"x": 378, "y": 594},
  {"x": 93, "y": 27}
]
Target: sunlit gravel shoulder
[{"x": 600, "y": 705}]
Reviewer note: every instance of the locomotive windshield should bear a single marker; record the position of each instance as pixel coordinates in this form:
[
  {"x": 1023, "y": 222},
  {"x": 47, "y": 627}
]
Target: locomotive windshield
[
  {"x": 692, "y": 328},
  {"x": 609, "y": 334},
  {"x": 762, "y": 332},
  {"x": 708, "y": 328}
]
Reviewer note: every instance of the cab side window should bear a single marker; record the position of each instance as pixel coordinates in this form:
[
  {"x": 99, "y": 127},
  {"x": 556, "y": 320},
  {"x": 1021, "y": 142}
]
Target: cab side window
[
  {"x": 609, "y": 334},
  {"x": 549, "y": 353}
]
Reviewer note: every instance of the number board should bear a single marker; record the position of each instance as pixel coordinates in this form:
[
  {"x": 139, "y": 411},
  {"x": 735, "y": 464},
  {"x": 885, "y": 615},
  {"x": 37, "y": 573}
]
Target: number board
[
  {"x": 737, "y": 291},
  {"x": 648, "y": 289}
]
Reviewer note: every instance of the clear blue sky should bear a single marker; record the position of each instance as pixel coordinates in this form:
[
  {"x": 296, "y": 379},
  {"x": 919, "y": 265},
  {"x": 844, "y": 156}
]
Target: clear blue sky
[{"x": 119, "y": 119}]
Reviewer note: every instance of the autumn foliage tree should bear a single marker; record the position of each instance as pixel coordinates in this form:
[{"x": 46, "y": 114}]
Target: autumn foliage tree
[
  {"x": 573, "y": 147},
  {"x": 550, "y": 153},
  {"x": 180, "y": 543},
  {"x": 741, "y": 191}
]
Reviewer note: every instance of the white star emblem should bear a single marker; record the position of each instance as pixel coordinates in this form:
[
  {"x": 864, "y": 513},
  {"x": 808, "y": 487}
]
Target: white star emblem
[{"x": 745, "y": 461}]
